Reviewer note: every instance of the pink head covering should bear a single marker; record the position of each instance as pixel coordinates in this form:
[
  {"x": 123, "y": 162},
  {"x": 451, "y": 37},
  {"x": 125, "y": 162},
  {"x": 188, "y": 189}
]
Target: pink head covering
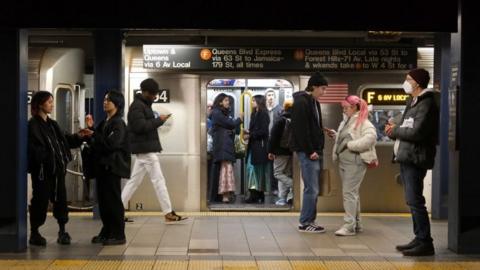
[{"x": 362, "y": 104}]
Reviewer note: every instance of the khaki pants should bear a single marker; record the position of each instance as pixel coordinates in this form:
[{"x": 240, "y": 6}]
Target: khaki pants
[{"x": 352, "y": 170}]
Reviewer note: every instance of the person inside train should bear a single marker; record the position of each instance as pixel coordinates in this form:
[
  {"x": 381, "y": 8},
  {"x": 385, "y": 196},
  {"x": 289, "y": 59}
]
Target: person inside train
[
  {"x": 279, "y": 152},
  {"x": 354, "y": 150},
  {"x": 257, "y": 155},
  {"x": 223, "y": 152},
  {"x": 145, "y": 145},
  {"x": 274, "y": 113},
  {"x": 416, "y": 137},
  {"x": 308, "y": 142},
  {"x": 110, "y": 150},
  {"x": 48, "y": 157}
]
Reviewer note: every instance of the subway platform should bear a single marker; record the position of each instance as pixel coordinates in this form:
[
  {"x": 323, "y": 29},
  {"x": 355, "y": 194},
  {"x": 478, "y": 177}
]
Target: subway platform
[{"x": 238, "y": 240}]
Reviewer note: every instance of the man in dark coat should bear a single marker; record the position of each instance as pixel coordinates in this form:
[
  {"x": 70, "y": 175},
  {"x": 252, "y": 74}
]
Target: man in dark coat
[
  {"x": 415, "y": 146},
  {"x": 307, "y": 142}
]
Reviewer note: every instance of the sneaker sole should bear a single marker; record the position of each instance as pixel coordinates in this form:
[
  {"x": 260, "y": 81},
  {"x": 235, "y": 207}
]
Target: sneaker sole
[
  {"x": 347, "y": 234},
  {"x": 302, "y": 231},
  {"x": 183, "y": 221}
]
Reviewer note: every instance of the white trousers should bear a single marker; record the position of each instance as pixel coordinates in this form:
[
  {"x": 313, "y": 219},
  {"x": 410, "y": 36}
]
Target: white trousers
[{"x": 148, "y": 163}]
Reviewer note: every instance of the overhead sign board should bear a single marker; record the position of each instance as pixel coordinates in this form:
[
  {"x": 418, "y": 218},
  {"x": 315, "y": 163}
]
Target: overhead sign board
[{"x": 184, "y": 57}]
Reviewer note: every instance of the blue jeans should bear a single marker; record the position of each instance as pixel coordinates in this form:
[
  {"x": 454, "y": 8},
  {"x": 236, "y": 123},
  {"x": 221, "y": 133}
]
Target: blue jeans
[
  {"x": 310, "y": 174},
  {"x": 412, "y": 177}
]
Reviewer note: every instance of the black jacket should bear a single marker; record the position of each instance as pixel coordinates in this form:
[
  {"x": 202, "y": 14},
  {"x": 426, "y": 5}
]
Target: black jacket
[
  {"x": 258, "y": 140},
  {"x": 418, "y": 143},
  {"x": 307, "y": 130},
  {"x": 111, "y": 148},
  {"x": 42, "y": 158},
  {"x": 142, "y": 127},
  {"x": 276, "y": 136},
  {"x": 223, "y": 135}
]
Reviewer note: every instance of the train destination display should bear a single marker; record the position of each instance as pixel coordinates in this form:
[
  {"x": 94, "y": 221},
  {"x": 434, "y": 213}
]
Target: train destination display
[{"x": 178, "y": 57}]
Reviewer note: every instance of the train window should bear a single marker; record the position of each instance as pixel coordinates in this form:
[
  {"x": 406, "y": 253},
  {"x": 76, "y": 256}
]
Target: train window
[
  {"x": 251, "y": 191},
  {"x": 63, "y": 108},
  {"x": 379, "y": 118}
]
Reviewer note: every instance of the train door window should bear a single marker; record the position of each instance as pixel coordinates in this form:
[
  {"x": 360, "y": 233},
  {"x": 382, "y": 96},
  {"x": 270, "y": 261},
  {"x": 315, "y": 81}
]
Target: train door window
[
  {"x": 64, "y": 107},
  {"x": 386, "y": 102},
  {"x": 254, "y": 187}
]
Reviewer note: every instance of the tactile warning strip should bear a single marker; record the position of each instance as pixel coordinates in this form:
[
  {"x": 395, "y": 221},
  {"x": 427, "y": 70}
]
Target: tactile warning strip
[
  {"x": 32, "y": 265},
  {"x": 342, "y": 265},
  {"x": 308, "y": 265},
  {"x": 137, "y": 265},
  {"x": 67, "y": 265},
  {"x": 239, "y": 265},
  {"x": 102, "y": 265},
  {"x": 7, "y": 264},
  {"x": 376, "y": 265},
  {"x": 205, "y": 265},
  {"x": 273, "y": 265},
  {"x": 170, "y": 265}
]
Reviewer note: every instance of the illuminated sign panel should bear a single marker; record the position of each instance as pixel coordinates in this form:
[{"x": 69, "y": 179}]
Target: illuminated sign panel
[{"x": 385, "y": 96}]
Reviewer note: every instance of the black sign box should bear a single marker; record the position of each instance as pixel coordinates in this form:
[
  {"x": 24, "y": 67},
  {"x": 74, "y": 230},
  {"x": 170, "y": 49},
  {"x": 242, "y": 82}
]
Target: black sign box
[{"x": 183, "y": 57}]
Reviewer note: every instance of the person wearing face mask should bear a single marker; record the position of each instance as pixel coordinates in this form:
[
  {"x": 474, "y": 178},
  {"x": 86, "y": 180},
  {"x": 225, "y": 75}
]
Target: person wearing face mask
[
  {"x": 354, "y": 149},
  {"x": 415, "y": 145}
]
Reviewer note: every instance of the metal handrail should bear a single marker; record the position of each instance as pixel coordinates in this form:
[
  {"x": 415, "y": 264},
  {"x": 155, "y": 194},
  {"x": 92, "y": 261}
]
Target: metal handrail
[{"x": 242, "y": 109}]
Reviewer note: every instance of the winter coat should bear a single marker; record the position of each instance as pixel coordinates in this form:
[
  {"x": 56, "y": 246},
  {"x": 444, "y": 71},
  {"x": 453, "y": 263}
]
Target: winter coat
[
  {"x": 418, "y": 140},
  {"x": 42, "y": 156},
  {"x": 142, "y": 127},
  {"x": 276, "y": 136},
  {"x": 364, "y": 138},
  {"x": 258, "y": 139},
  {"x": 110, "y": 147},
  {"x": 307, "y": 130},
  {"x": 223, "y": 134}
]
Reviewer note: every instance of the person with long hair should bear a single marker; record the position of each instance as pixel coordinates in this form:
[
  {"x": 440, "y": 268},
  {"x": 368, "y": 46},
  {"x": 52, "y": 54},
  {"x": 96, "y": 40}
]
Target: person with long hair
[
  {"x": 48, "y": 157},
  {"x": 112, "y": 162},
  {"x": 257, "y": 155},
  {"x": 223, "y": 150},
  {"x": 354, "y": 149}
]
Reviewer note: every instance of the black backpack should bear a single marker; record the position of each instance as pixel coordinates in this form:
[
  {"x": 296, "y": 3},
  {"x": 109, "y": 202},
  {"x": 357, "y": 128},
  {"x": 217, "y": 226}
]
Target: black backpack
[{"x": 286, "y": 134}]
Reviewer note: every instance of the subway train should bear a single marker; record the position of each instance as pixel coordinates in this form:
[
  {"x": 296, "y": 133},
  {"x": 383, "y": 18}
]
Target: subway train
[{"x": 185, "y": 94}]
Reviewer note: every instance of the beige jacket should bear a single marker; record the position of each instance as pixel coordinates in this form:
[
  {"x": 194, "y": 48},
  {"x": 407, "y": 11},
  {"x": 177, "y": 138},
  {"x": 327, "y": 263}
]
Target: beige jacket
[{"x": 364, "y": 138}]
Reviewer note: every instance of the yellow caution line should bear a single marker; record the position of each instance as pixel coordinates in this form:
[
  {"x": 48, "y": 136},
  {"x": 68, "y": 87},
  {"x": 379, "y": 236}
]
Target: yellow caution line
[{"x": 240, "y": 214}]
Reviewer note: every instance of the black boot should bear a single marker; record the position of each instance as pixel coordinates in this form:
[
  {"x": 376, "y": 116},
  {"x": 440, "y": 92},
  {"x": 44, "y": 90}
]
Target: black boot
[
  {"x": 410, "y": 245},
  {"x": 63, "y": 238},
  {"x": 261, "y": 197},
  {"x": 422, "y": 249},
  {"x": 37, "y": 239},
  {"x": 253, "y": 198}
]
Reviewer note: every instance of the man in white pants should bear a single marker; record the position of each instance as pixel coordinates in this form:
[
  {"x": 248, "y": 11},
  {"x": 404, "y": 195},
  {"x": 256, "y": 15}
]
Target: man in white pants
[{"x": 145, "y": 146}]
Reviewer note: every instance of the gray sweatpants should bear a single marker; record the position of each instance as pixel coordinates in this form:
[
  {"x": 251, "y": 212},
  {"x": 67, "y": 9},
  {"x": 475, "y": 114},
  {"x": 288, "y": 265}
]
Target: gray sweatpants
[
  {"x": 352, "y": 170},
  {"x": 282, "y": 170}
]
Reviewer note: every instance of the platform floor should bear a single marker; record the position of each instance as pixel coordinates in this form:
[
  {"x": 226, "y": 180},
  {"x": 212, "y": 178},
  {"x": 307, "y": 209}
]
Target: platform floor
[{"x": 226, "y": 240}]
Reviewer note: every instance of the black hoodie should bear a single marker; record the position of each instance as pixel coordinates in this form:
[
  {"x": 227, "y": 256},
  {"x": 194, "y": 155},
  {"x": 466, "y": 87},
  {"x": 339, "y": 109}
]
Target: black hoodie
[{"x": 307, "y": 127}]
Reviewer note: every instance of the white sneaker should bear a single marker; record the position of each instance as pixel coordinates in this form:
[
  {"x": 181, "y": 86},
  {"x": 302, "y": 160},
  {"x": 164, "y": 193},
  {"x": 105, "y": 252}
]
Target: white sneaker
[{"x": 344, "y": 232}]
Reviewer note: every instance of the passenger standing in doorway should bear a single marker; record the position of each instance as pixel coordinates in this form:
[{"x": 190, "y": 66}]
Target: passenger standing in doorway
[
  {"x": 354, "y": 149},
  {"x": 145, "y": 145},
  {"x": 274, "y": 113},
  {"x": 223, "y": 133},
  {"x": 308, "y": 141},
  {"x": 415, "y": 146},
  {"x": 112, "y": 162},
  {"x": 257, "y": 155},
  {"x": 48, "y": 157},
  {"x": 279, "y": 151}
]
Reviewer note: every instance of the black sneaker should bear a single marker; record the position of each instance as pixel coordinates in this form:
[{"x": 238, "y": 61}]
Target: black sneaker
[
  {"x": 64, "y": 238},
  {"x": 114, "y": 241},
  {"x": 311, "y": 228},
  {"x": 422, "y": 249},
  {"x": 98, "y": 239},
  {"x": 410, "y": 245},
  {"x": 37, "y": 240}
]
